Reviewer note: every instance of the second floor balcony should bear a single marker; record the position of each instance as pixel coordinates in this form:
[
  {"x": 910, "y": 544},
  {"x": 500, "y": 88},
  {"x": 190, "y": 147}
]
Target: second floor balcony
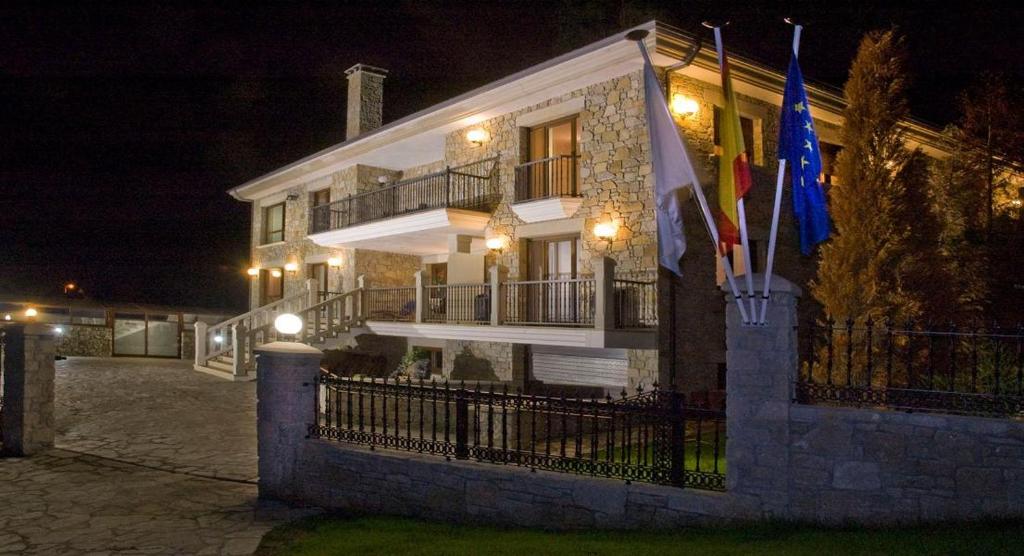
[
  {"x": 416, "y": 214},
  {"x": 547, "y": 189}
]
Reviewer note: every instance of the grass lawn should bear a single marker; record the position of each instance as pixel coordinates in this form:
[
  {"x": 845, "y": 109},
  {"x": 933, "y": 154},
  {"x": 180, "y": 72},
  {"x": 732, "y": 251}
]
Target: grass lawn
[{"x": 388, "y": 535}]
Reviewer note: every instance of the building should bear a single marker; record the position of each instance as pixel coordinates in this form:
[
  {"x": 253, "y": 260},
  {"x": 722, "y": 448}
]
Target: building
[{"x": 510, "y": 231}]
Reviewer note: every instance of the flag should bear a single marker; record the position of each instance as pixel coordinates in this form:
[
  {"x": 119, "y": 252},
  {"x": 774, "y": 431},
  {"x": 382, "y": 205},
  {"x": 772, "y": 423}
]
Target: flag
[
  {"x": 798, "y": 145},
  {"x": 673, "y": 170},
  {"x": 734, "y": 178}
]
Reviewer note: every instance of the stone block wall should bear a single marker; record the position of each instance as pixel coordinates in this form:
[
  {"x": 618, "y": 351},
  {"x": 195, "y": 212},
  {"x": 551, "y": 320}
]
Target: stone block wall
[
  {"x": 84, "y": 340},
  {"x": 884, "y": 467}
]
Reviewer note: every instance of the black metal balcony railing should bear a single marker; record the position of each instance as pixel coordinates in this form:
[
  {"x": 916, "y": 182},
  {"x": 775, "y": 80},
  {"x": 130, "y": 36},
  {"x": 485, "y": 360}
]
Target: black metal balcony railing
[
  {"x": 636, "y": 301},
  {"x": 458, "y": 303},
  {"x": 467, "y": 187},
  {"x": 556, "y": 302},
  {"x": 557, "y": 176}
]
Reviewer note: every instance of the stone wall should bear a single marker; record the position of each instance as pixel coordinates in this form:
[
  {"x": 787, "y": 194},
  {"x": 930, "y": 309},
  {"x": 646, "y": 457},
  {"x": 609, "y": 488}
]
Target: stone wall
[
  {"x": 884, "y": 466},
  {"x": 84, "y": 340},
  {"x": 383, "y": 269}
]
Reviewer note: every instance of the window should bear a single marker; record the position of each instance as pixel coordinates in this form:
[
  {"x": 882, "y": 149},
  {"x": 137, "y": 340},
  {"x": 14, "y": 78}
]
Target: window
[
  {"x": 829, "y": 156},
  {"x": 273, "y": 223},
  {"x": 746, "y": 124},
  {"x": 271, "y": 285},
  {"x": 322, "y": 197},
  {"x": 552, "y": 161},
  {"x": 436, "y": 356}
]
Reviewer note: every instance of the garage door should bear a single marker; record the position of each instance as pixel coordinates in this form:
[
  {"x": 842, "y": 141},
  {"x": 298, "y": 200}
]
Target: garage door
[{"x": 583, "y": 367}]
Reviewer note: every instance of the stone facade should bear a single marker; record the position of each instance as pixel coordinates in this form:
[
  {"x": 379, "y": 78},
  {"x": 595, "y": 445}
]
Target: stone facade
[{"x": 85, "y": 340}]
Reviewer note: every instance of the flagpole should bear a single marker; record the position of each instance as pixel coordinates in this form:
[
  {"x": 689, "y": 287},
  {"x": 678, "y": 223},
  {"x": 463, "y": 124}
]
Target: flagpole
[
  {"x": 765, "y": 295},
  {"x": 744, "y": 236},
  {"x": 708, "y": 220}
]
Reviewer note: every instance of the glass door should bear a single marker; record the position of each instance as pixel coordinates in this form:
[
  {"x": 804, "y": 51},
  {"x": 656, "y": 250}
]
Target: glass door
[{"x": 553, "y": 148}]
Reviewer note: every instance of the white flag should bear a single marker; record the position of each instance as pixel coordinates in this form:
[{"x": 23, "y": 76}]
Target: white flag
[{"x": 673, "y": 170}]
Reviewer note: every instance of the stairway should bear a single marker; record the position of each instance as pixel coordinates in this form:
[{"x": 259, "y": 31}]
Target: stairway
[{"x": 226, "y": 349}]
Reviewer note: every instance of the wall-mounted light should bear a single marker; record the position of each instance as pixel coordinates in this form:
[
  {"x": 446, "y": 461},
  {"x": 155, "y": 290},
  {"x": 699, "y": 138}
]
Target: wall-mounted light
[
  {"x": 605, "y": 231},
  {"x": 254, "y": 272},
  {"x": 7, "y": 316},
  {"x": 287, "y": 323},
  {"x": 218, "y": 338},
  {"x": 382, "y": 179},
  {"x": 334, "y": 262},
  {"x": 275, "y": 273},
  {"x": 684, "y": 105},
  {"x": 31, "y": 312},
  {"x": 291, "y": 268},
  {"x": 496, "y": 244},
  {"x": 477, "y": 136},
  {"x": 58, "y": 330},
  {"x": 292, "y": 197}
]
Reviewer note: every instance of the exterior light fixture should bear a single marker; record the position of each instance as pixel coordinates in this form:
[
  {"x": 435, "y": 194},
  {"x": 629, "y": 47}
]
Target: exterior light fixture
[
  {"x": 31, "y": 312},
  {"x": 605, "y": 231},
  {"x": 477, "y": 136},
  {"x": 275, "y": 273},
  {"x": 334, "y": 262},
  {"x": 382, "y": 179},
  {"x": 287, "y": 323},
  {"x": 58, "y": 330},
  {"x": 7, "y": 316},
  {"x": 218, "y": 338},
  {"x": 496, "y": 244},
  {"x": 291, "y": 268},
  {"x": 1017, "y": 202},
  {"x": 684, "y": 105},
  {"x": 254, "y": 272}
]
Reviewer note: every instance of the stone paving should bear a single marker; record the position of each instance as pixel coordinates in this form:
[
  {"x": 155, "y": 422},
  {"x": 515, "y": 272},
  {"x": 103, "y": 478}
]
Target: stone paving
[{"x": 151, "y": 458}]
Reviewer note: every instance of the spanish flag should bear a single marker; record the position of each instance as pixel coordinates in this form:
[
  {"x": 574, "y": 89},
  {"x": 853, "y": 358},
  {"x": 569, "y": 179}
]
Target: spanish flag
[{"x": 733, "y": 167}]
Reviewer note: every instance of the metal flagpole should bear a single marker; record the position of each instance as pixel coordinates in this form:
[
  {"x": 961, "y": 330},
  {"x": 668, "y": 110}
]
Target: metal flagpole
[
  {"x": 744, "y": 239},
  {"x": 706, "y": 218},
  {"x": 765, "y": 295}
]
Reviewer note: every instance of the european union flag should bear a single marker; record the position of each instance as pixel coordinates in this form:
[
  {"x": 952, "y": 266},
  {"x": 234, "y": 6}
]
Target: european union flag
[{"x": 798, "y": 145}]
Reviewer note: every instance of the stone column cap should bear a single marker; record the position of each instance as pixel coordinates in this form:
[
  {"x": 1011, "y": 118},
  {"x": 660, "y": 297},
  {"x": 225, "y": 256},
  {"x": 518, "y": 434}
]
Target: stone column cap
[
  {"x": 779, "y": 285},
  {"x": 367, "y": 69},
  {"x": 288, "y": 348}
]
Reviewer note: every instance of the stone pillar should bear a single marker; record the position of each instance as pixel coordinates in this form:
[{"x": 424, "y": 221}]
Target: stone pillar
[
  {"x": 761, "y": 363},
  {"x": 604, "y": 298},
  {"x": 312, "y": 293},
  {"x": 240, "y": 347},
  {"x": 28, "y": 389},
  {"x": 285, "y": 408},
  {"x": 420, "y": 277},
  {"x": 365, "y": 99}
]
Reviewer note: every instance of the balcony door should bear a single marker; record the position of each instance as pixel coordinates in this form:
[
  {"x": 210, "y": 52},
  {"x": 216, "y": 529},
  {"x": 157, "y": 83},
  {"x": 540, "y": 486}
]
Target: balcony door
[
  {"x": 553, "y": 161},
  {"x": 318, "y": 272},
  {"x": 271, "y": 285},
  {"x": 554, "y": 269}
]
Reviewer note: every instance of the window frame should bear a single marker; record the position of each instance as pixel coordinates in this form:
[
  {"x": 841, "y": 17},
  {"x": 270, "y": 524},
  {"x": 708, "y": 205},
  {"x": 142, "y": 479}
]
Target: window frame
[{"x": 267, "y": 232}]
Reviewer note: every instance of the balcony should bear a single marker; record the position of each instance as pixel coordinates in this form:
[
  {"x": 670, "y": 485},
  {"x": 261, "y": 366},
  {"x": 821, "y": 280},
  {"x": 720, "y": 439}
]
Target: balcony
[
  {"x": 547, "y": 189},
  {"x": 413, "y": 216},
  {"x": 602, "y": 310}
]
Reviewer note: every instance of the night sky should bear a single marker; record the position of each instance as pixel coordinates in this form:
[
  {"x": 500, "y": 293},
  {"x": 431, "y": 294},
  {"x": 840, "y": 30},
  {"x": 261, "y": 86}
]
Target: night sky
[{"x": 124, "y": 127}]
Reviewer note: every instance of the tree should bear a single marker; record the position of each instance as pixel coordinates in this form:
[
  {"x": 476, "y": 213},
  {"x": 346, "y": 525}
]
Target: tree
[{"x": 884, "y": 259}]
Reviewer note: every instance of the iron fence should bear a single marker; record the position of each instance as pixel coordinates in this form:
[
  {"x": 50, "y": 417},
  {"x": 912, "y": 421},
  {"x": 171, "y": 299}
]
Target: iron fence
[
  {"x": 457, "y": 303},
  {"x": 951, "y": 370},
  {"x": 650, "y": 437},
  {"x": 559, "y": 302},
  {"x": 556, "y": 176},
  {"x": 468, "y": 187},
  {"x": 390, "y": 304}
]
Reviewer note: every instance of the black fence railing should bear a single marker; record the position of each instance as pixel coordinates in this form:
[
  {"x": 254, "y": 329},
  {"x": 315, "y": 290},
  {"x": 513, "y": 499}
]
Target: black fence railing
[
  {"x": 557, "y": 176},
  {"x": 556, "y": 302},
  {"x": 390, "y": 304},
  {"x": 636, "y": 302},
  {"x": 469, "y": 187},
  {"x": 972, "y": 371},
  {"x": 651, "y": 437},
  {"x": 457, "y": 303}
]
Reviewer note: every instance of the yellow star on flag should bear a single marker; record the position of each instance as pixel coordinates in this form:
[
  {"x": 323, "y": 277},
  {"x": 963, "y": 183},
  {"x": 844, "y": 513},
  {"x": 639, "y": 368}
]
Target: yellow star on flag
[
  {"x": 799, "y": 107},
  {"x": 803, "y": 162},
  {"x": 808, "y": 127},
  {"x": 807, "y": 145}
]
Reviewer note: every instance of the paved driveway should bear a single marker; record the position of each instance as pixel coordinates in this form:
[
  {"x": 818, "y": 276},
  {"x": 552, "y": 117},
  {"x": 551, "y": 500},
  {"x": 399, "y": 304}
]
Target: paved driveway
[{"x": 151, "y": 458}]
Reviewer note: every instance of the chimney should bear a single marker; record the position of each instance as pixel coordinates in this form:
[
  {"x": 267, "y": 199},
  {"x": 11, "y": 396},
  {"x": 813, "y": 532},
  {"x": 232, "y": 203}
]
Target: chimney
[{"x": 365, "y": 99}]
